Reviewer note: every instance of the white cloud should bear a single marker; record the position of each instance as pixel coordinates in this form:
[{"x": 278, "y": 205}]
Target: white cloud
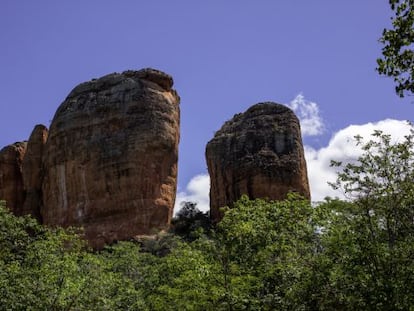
[
  {"x": 197, "y": 191},
  {"x": 342, "y": 147},
  {"x": 311, "y": 122}
]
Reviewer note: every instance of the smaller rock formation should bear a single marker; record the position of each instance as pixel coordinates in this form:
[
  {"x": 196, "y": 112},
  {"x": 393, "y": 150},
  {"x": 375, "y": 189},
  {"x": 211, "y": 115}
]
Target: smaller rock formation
[
  {"x": 258, "y": 153},
  {"x": 11, "y": 180},
  {"x": 32, "y": 171}
]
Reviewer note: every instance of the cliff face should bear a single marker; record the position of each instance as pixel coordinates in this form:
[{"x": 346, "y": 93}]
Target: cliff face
[
  {"x": 111, "y": 157},
  {"x": 11, "y": 180},
  {"x": 108, "y": 163},
  {"x": 258, "y": 153}
]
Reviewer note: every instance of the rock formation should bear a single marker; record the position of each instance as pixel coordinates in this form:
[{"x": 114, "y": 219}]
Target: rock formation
[
  {"x": 258, "y": 153},
  {"x": 32, "y": 171},
  {"x": 110, "y": 161},
  {"x": 11, "y": 180}
]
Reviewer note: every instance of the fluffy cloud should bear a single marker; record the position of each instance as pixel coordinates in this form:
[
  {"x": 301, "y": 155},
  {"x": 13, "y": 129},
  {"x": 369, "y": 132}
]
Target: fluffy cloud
[
  {"x": 197, "y": 191},
  {"x": 308, "y": 114},
  {"x": 342, "y": 147}
]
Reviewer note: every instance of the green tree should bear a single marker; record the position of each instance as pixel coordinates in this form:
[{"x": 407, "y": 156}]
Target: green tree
[
  {"x": 256, "y": 259},
  {"x": 190, "y": 222},
  {"x": 45, "y": 269},
  {"x": 190, "y": 279},
  {"x": 368, "y": 242},
  {"x": 397, "y": 54},
  {"x": 264, "y": 248},
  {"x": 134, "y": 276}
]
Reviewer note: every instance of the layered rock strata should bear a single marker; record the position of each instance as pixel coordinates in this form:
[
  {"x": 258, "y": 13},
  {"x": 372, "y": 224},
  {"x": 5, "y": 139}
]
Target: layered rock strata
[
  {"x": 258, "y": 153},
  {"x": 110, "y": 161}
]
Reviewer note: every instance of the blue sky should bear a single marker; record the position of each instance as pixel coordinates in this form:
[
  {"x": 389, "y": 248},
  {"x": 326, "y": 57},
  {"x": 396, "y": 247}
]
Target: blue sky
[{"x": 224, "y": 56}]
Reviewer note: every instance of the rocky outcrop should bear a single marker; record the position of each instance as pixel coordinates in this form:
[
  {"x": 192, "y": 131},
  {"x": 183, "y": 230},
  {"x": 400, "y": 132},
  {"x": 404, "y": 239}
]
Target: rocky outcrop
[
  {"x": 110, "y": 161},
  {"x": 258, "y": 153},
  {"x": 32, "y": 171},
  {"x": 11, "y": 180}
]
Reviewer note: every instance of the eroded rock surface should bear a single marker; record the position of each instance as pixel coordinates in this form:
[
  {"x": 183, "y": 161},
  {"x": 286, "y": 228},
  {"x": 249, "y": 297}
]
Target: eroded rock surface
[
  {"x": 11, "y": 180},
  {"x": 258, "y": 153},
  {"x": 111, "y": 157},
  {"x": 32, "y": 171}
]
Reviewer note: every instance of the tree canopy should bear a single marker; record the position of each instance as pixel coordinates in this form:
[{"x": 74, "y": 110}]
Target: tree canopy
[{"x": 397, "y": 53}]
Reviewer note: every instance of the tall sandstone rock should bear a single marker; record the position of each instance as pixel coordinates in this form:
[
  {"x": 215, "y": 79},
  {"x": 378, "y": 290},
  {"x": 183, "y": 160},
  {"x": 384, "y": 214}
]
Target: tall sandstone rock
[
  {"x": 32, "y": 171},
  {"x": 11, "y": 179},
  {"x": 258, "y": 153},
  {"x": 110, "y": 161}
]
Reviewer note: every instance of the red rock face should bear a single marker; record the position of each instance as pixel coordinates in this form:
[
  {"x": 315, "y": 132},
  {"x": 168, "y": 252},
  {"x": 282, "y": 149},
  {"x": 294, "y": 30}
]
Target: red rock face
[
  {"x": 258, "y": 153},
  {"x": 111, "y": 157},
  {"x": 11, "y": 180},
  {"x": 32, "y": 171}
]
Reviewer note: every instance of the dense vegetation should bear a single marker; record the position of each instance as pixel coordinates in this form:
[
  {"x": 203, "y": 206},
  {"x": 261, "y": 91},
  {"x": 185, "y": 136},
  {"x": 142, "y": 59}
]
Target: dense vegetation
[{"x": 338, "y": 255}]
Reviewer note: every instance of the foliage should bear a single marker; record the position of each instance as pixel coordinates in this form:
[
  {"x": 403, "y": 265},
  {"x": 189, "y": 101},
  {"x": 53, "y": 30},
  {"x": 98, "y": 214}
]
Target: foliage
[
  {"x": 369, "y": 241},
  {"x": 398, "y": 55},
  {"x": 263, "y": 249},
  {"x": 190, "y": 222},
  {"x": 160, "y": 244},
  {"x": 16, "y": 234},
  {"x": 45, "y": 269},
  {"x": 189, "y": 280}
]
